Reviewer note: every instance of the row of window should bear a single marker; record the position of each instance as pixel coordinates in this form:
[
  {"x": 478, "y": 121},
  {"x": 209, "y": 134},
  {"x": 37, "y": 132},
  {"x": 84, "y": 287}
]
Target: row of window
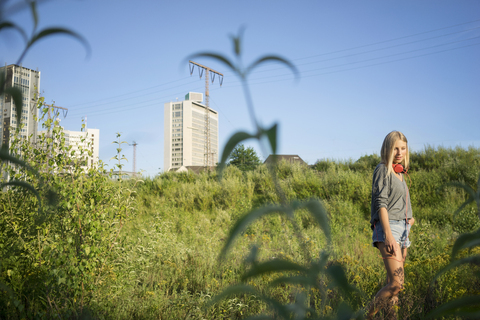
[
  {"x": 26, "y": 74},
  {"x": 197, "y": 145},
  {"x": 24, "y": 82}
]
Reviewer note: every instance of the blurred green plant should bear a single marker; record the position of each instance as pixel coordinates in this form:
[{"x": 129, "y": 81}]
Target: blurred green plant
[
  {"x": 308, "y": 277},
  {"x": 54, "y": 245},
  {"x": 467, "y": 306},
  {"x": 5, "y": 79},
  {"x": 53, "y": 259}
]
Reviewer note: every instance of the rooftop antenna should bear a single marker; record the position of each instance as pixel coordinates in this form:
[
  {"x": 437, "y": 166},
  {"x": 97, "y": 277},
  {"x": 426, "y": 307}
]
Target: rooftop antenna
[{"x": 208, "y": 154}]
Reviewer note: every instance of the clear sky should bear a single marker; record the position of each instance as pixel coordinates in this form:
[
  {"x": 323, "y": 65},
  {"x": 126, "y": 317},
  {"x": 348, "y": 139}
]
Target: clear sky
[{"x": 366, "y": 68}]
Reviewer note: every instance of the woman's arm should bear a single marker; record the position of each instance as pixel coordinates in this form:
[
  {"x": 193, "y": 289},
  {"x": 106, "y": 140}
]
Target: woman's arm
[{"x": 390, "y": 244}]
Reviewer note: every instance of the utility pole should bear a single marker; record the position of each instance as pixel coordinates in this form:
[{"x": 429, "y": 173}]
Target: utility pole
[
  {"x": 134, "y": 144},
  {"x": 208, "y": 154}
]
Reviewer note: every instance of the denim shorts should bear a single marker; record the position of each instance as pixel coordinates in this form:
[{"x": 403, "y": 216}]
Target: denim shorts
[{"x": 400, "y": 231}]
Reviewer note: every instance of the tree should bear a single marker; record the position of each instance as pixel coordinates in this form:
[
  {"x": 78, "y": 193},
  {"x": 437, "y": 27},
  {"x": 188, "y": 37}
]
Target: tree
[{"x": 244, "y": 158}]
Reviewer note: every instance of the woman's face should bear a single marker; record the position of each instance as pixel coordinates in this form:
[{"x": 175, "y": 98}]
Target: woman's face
[{"x": 399, "y": 151}]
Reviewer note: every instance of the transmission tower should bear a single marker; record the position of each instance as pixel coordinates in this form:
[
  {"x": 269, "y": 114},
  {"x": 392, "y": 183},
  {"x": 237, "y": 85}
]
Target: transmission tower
[
  {"x": 208, "y": 156},
  {"x": 64, "y": 110}
]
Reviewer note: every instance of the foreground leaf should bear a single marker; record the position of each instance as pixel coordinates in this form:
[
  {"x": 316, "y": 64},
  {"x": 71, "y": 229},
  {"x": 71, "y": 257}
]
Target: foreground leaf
[
  {"x": 468, "y": 307},
  {"x": 276, "y": 265},
  {"x": 466, "y": 241},
  {"x": 229, "y": 146},
  {"x": 457, "y": 263},
  {"x": 320, "y": 214},
  {"x": 246, "y": 220}
]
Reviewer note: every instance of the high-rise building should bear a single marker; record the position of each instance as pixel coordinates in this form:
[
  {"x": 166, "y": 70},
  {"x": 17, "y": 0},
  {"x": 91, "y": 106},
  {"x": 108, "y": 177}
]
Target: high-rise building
[
  {"x": 185, "y": 138},
  {"x": 28, "y": 81}
]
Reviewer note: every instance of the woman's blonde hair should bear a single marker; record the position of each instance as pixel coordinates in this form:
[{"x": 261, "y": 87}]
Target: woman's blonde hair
[{"x": 388, "y": 146}]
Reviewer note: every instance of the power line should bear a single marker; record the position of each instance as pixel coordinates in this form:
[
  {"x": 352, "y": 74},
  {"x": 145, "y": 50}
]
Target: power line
[
  {"x": 130, "y": 107},
  {"x": 252, "y": 81},
  {"x": 365, "y": 52},
  {"x": 289, "y": 76},
  {"x": 132, "y": 92},
  {"x": 391, "y": 40},
  {"x": 323, "y": 54},
  {"x": 120, "y": 100},
  {"x": 378, "y": 58}
]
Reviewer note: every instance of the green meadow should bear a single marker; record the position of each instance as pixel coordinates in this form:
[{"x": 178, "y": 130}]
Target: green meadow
[{"x": 149, "y": 249}]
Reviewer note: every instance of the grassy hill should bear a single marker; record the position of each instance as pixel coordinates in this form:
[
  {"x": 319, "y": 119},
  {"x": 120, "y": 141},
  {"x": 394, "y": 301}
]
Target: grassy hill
[{"x": 161, "y": 261}]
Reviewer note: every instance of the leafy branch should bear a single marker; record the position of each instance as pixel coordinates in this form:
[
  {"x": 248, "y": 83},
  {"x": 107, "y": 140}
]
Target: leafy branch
[{"x": 308, "y": 276}]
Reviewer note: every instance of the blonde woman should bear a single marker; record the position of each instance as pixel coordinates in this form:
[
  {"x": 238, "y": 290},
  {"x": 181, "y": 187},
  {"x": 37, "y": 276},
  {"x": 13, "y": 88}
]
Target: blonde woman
[{"x": 391, "y": 219}]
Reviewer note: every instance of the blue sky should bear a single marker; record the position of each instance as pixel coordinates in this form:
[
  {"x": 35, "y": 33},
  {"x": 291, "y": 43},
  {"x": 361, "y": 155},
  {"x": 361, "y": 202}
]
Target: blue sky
[{"x": 366, "y": 68}]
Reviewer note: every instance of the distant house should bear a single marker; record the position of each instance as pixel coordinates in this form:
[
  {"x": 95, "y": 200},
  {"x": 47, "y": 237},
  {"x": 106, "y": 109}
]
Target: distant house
[
  {"x": 194, "y": 169},
  {"x": 292, "y": 158},
  {"x": 124, "y": 175}
]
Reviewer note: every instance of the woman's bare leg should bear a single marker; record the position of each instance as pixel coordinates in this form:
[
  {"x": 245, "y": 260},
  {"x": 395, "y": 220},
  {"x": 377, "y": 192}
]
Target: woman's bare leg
[{"x": 395, "y": 278}]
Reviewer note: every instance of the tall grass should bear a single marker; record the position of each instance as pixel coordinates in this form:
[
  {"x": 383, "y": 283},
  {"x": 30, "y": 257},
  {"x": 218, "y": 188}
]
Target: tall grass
[{"x": 167, "y": 265}]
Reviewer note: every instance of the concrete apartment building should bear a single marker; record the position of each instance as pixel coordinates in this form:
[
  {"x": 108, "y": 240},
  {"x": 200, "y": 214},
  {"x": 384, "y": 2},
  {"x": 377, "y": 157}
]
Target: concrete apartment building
[
  {"x": 28, "y": 81},
  {"x": 184, "y": 133},
  {"x": 91, "y": 142},
  {"x": 90, "y": 136}
]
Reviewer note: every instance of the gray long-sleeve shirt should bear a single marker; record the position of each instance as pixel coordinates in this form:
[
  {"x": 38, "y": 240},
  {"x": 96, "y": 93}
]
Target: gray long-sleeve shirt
[{"x": 390, "y": 193}]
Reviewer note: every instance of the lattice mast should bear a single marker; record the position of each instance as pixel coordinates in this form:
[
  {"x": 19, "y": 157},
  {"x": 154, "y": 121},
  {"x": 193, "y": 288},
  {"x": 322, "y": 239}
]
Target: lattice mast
[{"x": 208, "y": 154}]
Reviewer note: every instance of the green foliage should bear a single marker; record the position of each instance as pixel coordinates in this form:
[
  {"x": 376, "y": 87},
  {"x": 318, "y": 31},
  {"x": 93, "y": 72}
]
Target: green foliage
[
  {"x": 245, "y": 159},
  {"x": 53, "y": 258}
]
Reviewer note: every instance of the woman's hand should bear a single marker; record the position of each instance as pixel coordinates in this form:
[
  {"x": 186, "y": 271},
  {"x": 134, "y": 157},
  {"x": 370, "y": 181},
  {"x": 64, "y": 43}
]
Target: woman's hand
[
  {"x": 411, "y": 221},
  {"x": 391, "y": 245}
]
